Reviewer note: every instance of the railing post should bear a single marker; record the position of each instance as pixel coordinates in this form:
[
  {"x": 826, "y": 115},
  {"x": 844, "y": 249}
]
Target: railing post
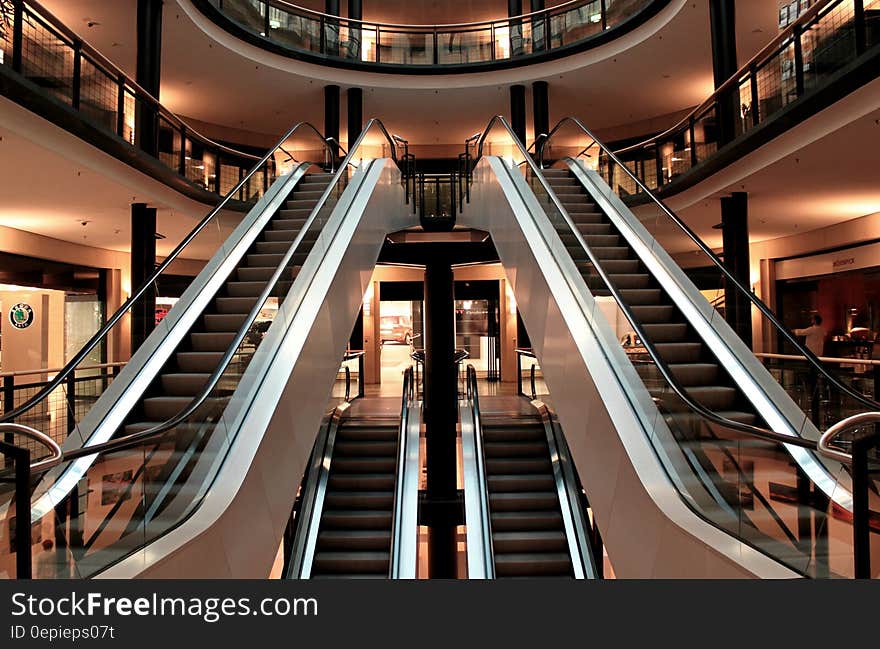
[
  {"x": 347, "y": 383},
  {"x": 120, "y": 106},
  {"x": 70, "y": 399},
  {"x": 859, "y": 26},
  {"x": 691, "y": 132},
  {"x": 266, "y": 25},
  {"x": 181, "y": 160},
  {"x": 861, "y": 444},
  {"x": 756, "y": 106},
  {"x": 17, "y": 34},
  {"x": 519, "y": 389},
  {"x": 798, "y": 62},
  {"x": 603, "y": 10},
  {"x": 76, "y": 86},
  {"x": 8, "y": 403},
  {"x": 532, "y": 382},
  {"x": 659, "y": 170},
  {"x": 361, "y": 377},
  {"x": 23, "y": 556},
  {"x": 436, "y": 49}
]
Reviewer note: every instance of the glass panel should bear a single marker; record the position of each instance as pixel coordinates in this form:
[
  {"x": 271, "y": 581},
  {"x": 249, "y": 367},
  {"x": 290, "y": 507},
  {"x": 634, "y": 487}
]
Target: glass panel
[
  {"x": 575, "y": 24},
  {"x": 464, "y": 47},
  {"x": 402, "y": 48},
  {"x": 296, "y": 32},
  {"x": 98, "y": 95},
  {"x": 47, "y": 59}
]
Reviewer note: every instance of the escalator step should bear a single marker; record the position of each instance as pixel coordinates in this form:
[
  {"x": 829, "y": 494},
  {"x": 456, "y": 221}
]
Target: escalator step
[
  {"x": 611, "y": 266},
  {"x": 688, "y": 374},
  {"x": 351, "y": 562},
  {"x": 344, "y": 448},
  {"x": 364, "y": 464},
  {"x": 526, "y": 520},
  {"x": 234, "y": 304},
  {"x": 198, "y": 361},
  {"x": 211, "y": 342},
  {"x": 532, "y": 563},
  {"x": 288, "y": 236},
  {"x": 510, "y": 466},
  {"x": 354, "y": 540},
  {"x": 653, "y": 313},
  {"x": 522, "y": 482},
  {"x": 183, "y": 384},
  {"x": 224, "y": 322},
  {"x": 516, "y": 448},
  {"x": 663, "y": 333},
  {"x": 290, "y": 220},
  {"x": 641, "y": 296},
  {"x": 356, "y": 519},
  {"x": 337, "y": 499},
  {"x": 355, "y": 434},
  {"x": 541, "y": 541},
  {"x": 713, "y": 397},
  {"x": 522, "y": 501},
  {"x": 371, "y": 482},
  {"x": 682, "y": 352},
  {"x": 254, "y": 289},
  {"x": 263, "y": 273}
]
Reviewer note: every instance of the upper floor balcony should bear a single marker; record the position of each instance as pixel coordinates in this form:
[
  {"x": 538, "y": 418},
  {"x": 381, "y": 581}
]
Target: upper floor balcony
[{"x": 312, "y": 36}]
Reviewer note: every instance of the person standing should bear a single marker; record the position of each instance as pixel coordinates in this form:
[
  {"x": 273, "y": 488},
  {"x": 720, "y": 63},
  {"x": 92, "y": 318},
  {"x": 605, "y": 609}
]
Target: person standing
[{"x": 815, "y": 335}]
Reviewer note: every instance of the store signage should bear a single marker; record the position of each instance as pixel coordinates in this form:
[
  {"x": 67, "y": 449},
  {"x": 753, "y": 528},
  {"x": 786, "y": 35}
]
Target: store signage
[
  {"x": 842, "y": 263},
  {"x": 21, "y": 315}
]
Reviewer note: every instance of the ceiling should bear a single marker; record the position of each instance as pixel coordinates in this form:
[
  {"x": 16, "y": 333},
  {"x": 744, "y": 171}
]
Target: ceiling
[{"x": 234, "y": 86}]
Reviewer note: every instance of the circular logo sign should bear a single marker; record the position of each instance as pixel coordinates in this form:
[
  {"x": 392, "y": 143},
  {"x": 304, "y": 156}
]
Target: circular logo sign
[{"x": 21, "y": 316}]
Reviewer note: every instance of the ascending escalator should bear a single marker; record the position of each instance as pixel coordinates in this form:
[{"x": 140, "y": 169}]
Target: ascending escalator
[
  {"x": 359, "y": 500},
  {"x": 659, "y": 394},
  {"x": 522, "y": 496}
]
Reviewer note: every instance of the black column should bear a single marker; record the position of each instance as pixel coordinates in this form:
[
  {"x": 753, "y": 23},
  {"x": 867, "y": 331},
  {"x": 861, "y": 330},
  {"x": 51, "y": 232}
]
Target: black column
[
  {"x": 331, "y": 115},
  {"x": 541, "y": 108},
  {"x": 735, "y": 234},
  {"x": 518, "y": 111},
  {"x": 149, "y": 72},
  {"x": 514, "y": 8},
  {"x": 355, "y": 115},
  {"x": 539, "y": 36},
  {"x": 722, "y": 15},
  {"x": 143, "y": 262},
  {"x": 441, "y": 416},
  {"x": 330, "y": 37},
  {"x": 355, "y": 12}
]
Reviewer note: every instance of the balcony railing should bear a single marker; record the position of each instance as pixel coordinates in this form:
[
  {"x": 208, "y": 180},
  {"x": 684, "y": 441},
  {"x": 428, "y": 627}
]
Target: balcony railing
[
  {"x": 827, "y": 40},
  {"x": 300, "y": 31},
  {"x": 35, "y": 45}
]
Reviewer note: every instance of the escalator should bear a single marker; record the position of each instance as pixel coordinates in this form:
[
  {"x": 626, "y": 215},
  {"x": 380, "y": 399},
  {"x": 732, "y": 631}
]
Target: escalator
[
  {"x": 360, "y": 511},
  {"x": 252, "y": 345},
  {"x": 522, "y": 497},
  {"x": 680, "y": 432}
]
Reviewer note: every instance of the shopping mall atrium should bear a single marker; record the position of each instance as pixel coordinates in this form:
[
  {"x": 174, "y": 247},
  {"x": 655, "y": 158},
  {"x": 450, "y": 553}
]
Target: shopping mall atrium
[{"x": 441, "y": 289}]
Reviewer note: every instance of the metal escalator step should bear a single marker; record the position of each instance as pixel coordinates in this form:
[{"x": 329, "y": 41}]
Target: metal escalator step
[
  {"x": 354, "y": 540},
  {"x": 223, "y": 322},
  {"x": 536, "y": 541},
  {"x": 166, "y": 407},
  {"x": 183, "y": 384},
  {"x": 288, "y": 236},
  {"x": 264, "y": 260},
  {"x": 300, "y": 204},
  {"x": 307, "y": 194},
  {"x": 663, "y": 333},
  {"x": 364, "y": 464},
  {"x": 272, "y": 247},
  {"x": 367, "y": 481},
  {"x": 264, "y": 273},
  {"x": 641, "y": 296},
  {"x": 211, "y": 342},
  {"x": 254, "y": 289},
  {"x": 337, "y": 499},
  {"x": 511, "y": 466},
  {"x": 329, "y": 575},
  {"x": 532, "y": 563},
  {"x": 513, "y": 433},
  {"x": 235, "y": 304},
  {"x": 352, "y": 561},
  {"x": 608, "y": 254},
  {"x": 356, "y": 519},
  {"x": 653, "y": 313},
  {"x": 596, "y": 229},
  {"x": 610, "y": 266},
  {"x": 367, "y": 434},
  {"x": 688, "y": 374},
  {"x": 521, "y": 482},
  {"x": 290, "y": 220},
  {"x": 526, "y": 520},
  {"x": 515, "y": 448},
  {"x": 713, "y": 397},
  {"x": 344, "y": 448},
  {"x": 198, "y": 361},
  {"x": 522, "y": 501},
  {"x": 679, "y": 352}
]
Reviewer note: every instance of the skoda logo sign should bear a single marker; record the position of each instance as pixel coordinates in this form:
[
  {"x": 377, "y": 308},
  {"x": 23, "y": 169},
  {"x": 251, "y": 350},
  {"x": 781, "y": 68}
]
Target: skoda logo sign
[{"x": 21, "y": 316}]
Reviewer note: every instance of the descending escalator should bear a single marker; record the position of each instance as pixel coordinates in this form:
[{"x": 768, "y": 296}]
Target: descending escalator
[
  {"x": 249, "y": 346},
  {"x": 358, "y": 508}
]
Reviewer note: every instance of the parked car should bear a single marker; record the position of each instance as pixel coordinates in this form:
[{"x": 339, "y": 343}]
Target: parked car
[{"x": 395, "y": 329}]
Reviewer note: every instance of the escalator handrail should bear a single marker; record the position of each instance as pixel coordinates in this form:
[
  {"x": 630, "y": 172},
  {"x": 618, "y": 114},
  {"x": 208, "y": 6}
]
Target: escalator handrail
[
  {"x": 811, "y": 358},
  {"x": 138, "y": 438},
  {"x": 41, "y": 438},
  {"x": 406, "y": 400},
  {"x": 845, "y": 425},
  {"x": 665, "y": 371},
  {"x": 472, "y": 391},
  {"x": 104, "y": 331}
]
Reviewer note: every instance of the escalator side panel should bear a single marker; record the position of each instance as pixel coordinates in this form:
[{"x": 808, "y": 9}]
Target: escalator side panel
[
  {"x": 606, "y": 412},
  {"x": 281, "y": 401}
]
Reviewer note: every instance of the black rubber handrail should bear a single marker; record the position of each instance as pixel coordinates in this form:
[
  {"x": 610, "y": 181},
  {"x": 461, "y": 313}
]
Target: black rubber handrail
[
  {"x": 199, "y": 399},
  {"x": 729, "y": 277},
  {"x": 668, "y": 376},
  {"x": 86, "y": 349}
]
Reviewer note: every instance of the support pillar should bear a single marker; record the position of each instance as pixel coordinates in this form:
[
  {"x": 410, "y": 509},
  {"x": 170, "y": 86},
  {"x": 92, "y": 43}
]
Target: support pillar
[
  {"x": 518, "y": 111},
  {"x": 143, "y": 262},
  {"x": 722, "y": 18},
  {"x": 331, "y": 116},
  {"x": 331, "y": 28},
  {"x": 441, "y": 417},
  {"x": 148, "y": 73},
  {"x": 541, "y": 108},
  {"x": 515, "y": 8},
  {"x": 539, "y": 27},
  {"x": 735, "y": 236},
  {"x": 355, "y": 115}
]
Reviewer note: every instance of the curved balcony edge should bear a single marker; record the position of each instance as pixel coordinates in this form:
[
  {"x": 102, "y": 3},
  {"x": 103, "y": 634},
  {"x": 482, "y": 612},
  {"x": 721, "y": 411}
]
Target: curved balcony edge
[{"x": 650, "y": 9}]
